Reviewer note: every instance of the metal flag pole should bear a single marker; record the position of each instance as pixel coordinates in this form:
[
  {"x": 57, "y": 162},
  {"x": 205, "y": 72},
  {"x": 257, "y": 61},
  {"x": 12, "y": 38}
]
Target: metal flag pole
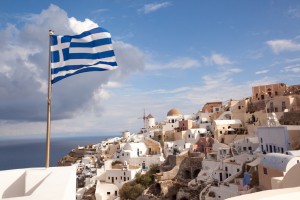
[{"x": 49, "y": 106}]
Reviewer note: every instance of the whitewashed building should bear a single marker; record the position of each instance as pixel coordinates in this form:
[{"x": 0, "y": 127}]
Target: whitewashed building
[
  {"x": 275, "y": 165},
  {"x": 193, "y": 135},
  {"x": 226, "y": 131},
  {"x": 247, "y": 144},
  {"x": 278, "y": 138},
  {"x": 119, "y": 176},
  {"x": 172, "y": 122},
  {"x": 105, "y": 191}
]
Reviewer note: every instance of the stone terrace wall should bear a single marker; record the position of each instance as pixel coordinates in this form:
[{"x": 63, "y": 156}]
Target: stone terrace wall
[{"x": 190, "y": 167}]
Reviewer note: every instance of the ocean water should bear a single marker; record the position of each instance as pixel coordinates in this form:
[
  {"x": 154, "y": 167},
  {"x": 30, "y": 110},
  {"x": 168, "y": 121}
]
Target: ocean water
[{"x": 30, "y": 152}]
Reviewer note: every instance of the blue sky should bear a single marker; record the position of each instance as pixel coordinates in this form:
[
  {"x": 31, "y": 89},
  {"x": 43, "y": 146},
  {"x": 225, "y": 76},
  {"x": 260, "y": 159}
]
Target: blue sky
[{"x": 171, "y": 54}]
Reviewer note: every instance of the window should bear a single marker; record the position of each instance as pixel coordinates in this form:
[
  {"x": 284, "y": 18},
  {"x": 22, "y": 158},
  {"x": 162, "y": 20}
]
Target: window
[
  {"x": 265, "y": 171},
  {"x": 237, "y": 169},
  {"x": 128, "y": 178},
  {"x": 116, "y": 193},
  {"x": 124, "y": 173},
  {"x": 281, "y": 150},
  {"x": 239, "y": 107},
  {"x": 283, "y": 106},
  {"x": 261, "y": 140},
  {"x": 109, "y": 177},
  {"x": 262, "y": 148},
  {"x": 108, "y": 193},
  {"x": 272, "y": 106}
]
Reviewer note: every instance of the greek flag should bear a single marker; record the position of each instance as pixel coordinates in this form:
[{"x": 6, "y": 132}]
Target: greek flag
[{"x": 89, "y": 51}]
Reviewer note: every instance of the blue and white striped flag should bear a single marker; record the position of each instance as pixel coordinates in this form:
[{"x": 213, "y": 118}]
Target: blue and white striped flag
[{"x": 89, "y": 51}]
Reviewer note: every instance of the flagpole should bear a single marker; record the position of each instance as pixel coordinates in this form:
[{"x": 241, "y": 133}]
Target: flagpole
[{"x": 48, "y": 106}]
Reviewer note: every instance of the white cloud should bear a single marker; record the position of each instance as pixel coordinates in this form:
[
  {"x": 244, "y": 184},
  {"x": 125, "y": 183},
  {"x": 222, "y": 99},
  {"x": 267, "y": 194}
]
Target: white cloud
[
  {"x": 292, "y": 69},
  {"x": 264, "y": 81},
  {"x": 179, "y": 63},
  {"x": 292, "y": 60},
  {"x": 262, "y": 72},
  {"x": 278, "y": 46},
  {"x": 78, "y": 26},
  {"x": 100, "y": 10},
  {"x": 294, "y": 12},
  {"x": 101, "y": 94},
  {"x": 152, "y": 7},
  {"x": 184, "y": 63},
  {"x": 235, "y": 70},
  {"x": 23, "y": 76},
  {"x": 112, "y": 84},
  {"x": 217, "y": 59},
  {"x": 171, "y": 91}
]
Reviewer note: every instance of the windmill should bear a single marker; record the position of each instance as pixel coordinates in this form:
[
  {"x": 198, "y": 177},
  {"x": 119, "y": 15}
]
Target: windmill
[{"x": 144, "y": 118}]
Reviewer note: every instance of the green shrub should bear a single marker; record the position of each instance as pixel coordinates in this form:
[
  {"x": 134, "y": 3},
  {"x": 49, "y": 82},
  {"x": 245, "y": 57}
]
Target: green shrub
[{"x": 133, "y": 189}]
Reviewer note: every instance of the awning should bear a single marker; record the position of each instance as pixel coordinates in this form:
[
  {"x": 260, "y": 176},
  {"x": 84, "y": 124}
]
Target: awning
[{"x": 254, "y": 162}]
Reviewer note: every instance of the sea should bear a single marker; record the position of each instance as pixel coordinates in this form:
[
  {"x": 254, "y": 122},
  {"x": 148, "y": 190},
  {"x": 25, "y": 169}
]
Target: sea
[{"x": 30, "y": 152}]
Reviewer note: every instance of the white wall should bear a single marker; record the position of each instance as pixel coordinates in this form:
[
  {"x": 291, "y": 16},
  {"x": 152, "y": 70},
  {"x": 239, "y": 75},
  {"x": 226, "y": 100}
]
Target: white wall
[
  {"x": 148, "y": 160},
  {"x": 106, "y": 191},
  {"x": 248, "y": 145},
  {"x": 118, "y": 176},
  {"x": 193, "y": 135},
  {"x": 273, "y": 137},
  {"x": 170, "y": 126},
  {"x": 39, "y": 183}
]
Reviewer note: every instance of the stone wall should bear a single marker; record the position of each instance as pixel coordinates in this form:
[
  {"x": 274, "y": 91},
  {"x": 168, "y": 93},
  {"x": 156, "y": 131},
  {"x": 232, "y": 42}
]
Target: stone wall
[
  {"x": 171, "y": 162},
  {"x": 190, "y": 168},
  {"x": 153, "y": 146},
  {"x": 290, "y": 118}
]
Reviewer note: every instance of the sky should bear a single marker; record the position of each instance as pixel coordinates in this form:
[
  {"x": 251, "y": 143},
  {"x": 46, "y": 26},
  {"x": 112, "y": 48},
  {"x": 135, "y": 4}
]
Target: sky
[{"x": 171, "y": 54}]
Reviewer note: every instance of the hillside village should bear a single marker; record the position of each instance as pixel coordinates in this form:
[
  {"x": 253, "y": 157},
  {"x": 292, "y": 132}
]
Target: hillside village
[{"x": 243, "y": 147}]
